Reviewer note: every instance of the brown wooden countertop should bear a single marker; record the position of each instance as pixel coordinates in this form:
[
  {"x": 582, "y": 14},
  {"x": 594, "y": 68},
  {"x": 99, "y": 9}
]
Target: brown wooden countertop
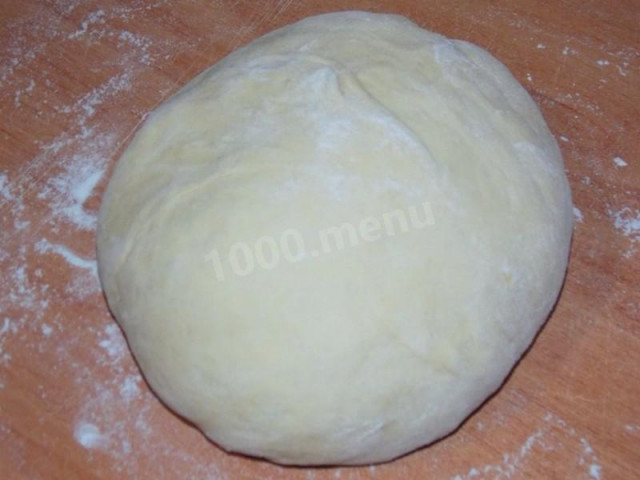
[{"x": 77, "y": 77}]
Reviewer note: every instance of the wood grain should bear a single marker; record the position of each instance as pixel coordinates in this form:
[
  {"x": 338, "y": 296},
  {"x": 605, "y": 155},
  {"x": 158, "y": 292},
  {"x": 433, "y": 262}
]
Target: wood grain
[{"x": 77, "y": 78}]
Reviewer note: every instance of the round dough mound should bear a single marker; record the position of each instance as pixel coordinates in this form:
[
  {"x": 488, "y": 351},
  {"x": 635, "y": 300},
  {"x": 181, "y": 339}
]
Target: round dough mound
[{"x": 333, "y": 245}]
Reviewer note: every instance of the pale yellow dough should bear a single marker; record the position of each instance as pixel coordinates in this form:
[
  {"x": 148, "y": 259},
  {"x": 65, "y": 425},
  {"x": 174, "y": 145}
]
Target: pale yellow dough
[{"x": 360, "y": 354}]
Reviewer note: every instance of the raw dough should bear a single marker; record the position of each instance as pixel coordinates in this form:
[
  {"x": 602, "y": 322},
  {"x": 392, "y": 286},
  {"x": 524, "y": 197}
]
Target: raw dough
[{"x": 353, "y": 351}]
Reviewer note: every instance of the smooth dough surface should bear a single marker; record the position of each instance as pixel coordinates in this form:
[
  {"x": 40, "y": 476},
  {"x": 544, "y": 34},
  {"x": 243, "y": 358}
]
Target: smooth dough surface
[{"x": 362, "y": 353}]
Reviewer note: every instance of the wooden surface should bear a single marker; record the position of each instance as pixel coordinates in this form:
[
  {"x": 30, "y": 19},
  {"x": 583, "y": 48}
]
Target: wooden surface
[{"x": 77, "y": 77}]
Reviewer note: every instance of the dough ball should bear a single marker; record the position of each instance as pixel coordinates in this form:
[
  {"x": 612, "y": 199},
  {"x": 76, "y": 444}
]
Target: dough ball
[{"x": 334, "y": 244}]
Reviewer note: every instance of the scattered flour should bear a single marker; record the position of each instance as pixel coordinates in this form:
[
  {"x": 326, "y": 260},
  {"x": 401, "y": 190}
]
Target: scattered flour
[
  {"x": 74, "y": 260},
  {"x": 587, "y": 458},
  {"x": 554, "y": 435},
  {"x": 97, "y": 17},
  {"x": 21, "y": 92},
  {"x": 578, "y": 214},
  {"x": 8, "y": 328},
  {"x": 510, "y": 461},
  {"x": 114, "y": 343},
  {"x": 89, "y": 436},
  {"x": 130, "y": 389},
  {"x": 619, "y": 162},
  {"x": 632, "y": 428},
  {"x": 627, "y": 221},
  {"x": 46, "y": 209},
  {"x": 4, "y": 187}
]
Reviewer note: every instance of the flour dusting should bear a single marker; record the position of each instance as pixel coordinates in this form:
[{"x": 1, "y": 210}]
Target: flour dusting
[
  {"x": 96, "y": 17},
  {"x": 73, "y": 259},
  {"x": 510, "y": 461},
  {"x": 113, "y": 343},
  {"x": 627, "y": 221},
  {"x": 89, "y": 436},
  {"x": 4, "y": 187},
  {"x": 49, "y": 218},
  {"x": 554, "y": 435},
  {"x": 130, "y": 389},
  {"x": 46, "y": 330},
  {"x": 632, "y": 428},
  {"x": 619, "y": 162},
  {"x": 577, "y": 214}
]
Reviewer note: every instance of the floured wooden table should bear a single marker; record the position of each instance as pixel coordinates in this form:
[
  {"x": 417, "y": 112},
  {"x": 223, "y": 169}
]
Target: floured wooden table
[{"x": 76, "y": 79}]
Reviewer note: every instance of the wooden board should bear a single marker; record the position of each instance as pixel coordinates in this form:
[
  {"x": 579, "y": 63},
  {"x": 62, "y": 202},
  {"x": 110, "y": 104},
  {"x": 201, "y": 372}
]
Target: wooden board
[{"x": 76, "y": 79}]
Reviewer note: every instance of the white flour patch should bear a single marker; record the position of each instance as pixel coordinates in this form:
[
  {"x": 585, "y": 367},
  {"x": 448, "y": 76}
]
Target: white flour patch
[
  {"x": 97, "y": 17},
  {"x": 577, "y": 214},
  {"x": 9, "y": 327},
  {"x": 622, "y": 70},
  {"x": 89, "y": 436},
  {"x": 17, "y": 96},
  {"x": 6, "y": 327},
  {"x": 588, "y": 458},
  {"x": 129, "y": 389},
  {"x": 627, "y": 222},
  {"x": 141, "y": 43},
  {"x": 67, "y": 192},
  {"x": 5, "y": 193},
  {"x": 602, "y": 63},
  {"x": 619, "y": 162},
  {"x": 46, "y": 329},
  {"x": 44, "y": 246},
  {"x": 632, "y": 428},
  {"x": 82, "y": 284},
  {"x": 114, "y": 343}
]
